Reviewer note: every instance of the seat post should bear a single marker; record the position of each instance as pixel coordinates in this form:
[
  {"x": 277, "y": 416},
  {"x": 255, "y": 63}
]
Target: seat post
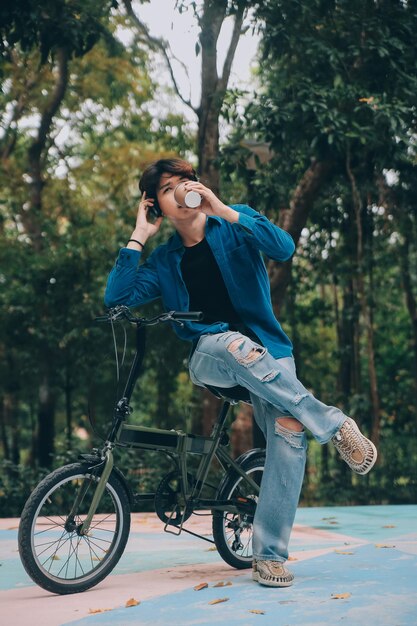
[
  {"x": 206, "y": 460},
  {"x": 221, "y": 418}
]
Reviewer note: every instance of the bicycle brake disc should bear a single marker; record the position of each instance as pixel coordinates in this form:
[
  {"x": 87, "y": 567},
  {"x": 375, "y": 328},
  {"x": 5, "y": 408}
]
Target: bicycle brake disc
[{"x": 169, "y": 504}]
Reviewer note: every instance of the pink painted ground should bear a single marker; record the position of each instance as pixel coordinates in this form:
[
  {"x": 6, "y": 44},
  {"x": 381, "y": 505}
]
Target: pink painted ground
[{"x": 25, "y": 604}]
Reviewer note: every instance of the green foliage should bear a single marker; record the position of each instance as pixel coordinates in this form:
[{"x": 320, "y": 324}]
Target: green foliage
[
  {"x": 337, "y": 72},
  {"x": 47, "y": 24},
  {"x": 335, "y": 89},
  {"x": 337, "y": 82},
  {"x": 52, "y": 285}
]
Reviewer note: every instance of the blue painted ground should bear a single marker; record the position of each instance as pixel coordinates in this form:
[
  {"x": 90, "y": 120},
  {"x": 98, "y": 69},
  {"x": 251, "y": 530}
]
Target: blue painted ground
[
  {"x": 378, "y": 581},
  {"x": 381, "y": 581},
  {"x": 367, "y": 555}
]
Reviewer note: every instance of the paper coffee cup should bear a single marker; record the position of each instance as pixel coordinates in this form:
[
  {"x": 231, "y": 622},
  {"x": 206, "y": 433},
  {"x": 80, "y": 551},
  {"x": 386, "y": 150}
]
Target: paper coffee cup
[{"x": 187, "y": 199}]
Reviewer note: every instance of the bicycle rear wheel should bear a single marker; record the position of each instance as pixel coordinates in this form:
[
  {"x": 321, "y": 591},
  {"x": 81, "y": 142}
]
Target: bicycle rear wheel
[
  {"x": 53, "y": 551},
  {"x": 232, "y": 532}
]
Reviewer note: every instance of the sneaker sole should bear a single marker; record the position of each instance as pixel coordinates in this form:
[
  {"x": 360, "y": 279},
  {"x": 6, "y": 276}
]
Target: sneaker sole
[{"x": 270, "y": 583}]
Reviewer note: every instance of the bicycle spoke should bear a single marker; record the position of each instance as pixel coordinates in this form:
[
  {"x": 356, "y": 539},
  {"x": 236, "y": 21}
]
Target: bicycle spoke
[
  {"x": 79, "y": 553},
  {"x": 48, "y": 529},
  {"x": 101, "y": 521},
  {"x": 49, "y": 544},
  {"x": 54, "y": 552},
  {"x": 90, "y": 543},
  {"x": 90, "y": 538},
  {"x": 51, "y": 521},
  {"x": 54, "y": 557}
]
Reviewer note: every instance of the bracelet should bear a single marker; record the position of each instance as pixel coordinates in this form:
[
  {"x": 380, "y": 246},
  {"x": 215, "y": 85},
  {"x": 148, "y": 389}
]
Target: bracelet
[{"x": 136, "y": 241}]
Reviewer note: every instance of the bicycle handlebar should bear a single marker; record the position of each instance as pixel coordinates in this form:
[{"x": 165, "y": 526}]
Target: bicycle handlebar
[
  {"x": 187, "y": 316},
  {"x": 123, "y": 312}
]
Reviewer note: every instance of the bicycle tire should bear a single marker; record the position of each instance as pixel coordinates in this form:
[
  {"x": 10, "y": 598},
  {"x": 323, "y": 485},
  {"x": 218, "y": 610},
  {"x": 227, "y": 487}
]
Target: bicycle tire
[
  {"x": 228, "y": 527},
  {"x": 50, "y": 548}
]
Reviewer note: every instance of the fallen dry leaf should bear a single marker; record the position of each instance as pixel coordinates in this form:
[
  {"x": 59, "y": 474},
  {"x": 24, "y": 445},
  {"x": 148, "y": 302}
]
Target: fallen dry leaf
[
  {"x": 222, "y": 584},
  {"x": 93, "y": 611},
  {"x": 218, "y": 600},
  {"x": 257, "y": 611},
  {"x": 340, "y": 596},
  {"x": 389, "y": 526},
  {"x": 292, "y": 558},
  {"x": 212, "y": 549},
  {"x": 201, "y": 586},
  {"x": 343, "y": 552},
  {"x": 131, "y": 602},
  {"x": 382, "y": 545}
]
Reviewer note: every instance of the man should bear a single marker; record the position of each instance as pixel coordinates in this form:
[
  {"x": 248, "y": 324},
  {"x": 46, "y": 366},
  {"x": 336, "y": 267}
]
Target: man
[{"x": 213, "y": 263}]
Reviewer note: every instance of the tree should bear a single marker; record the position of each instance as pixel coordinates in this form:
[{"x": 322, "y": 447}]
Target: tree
[
  {"x": 335, "y": 106},
  {"x": 210, "y": 16},
  {"x": 77, "y": 84}
]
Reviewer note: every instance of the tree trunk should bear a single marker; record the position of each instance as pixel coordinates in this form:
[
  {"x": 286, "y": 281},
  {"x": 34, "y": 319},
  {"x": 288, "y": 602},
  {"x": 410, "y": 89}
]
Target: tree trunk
[
  {"x": 210, "y": 407},
  {"x": 349, "y": 365},
  {"x": 32, "y": 221},
  {"x": 13, "y": 419},
  {"x": 10, "y": 412},
  {"x": 68, "y": 407},
  {"x": 241, "y": 437},
  {"x": 410, "y": 298},
  {"x": 46, "y": 423},
  {"x": 366, "y": 310},
  {"x": 3, "y": 426},
  {"x": 213, "y": 86},
  {"x": 388, "y": 198},
  {"x": 213, "y": 89},
  {"x": 36, "y": 153},
  {"x": 324, "y": 462},
  {"x": 293, "y": 220}
]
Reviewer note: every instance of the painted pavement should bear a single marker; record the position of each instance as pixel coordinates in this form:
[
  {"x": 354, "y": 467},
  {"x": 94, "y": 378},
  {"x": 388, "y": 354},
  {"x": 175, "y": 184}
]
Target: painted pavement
[{"x": 353, "y": 566}]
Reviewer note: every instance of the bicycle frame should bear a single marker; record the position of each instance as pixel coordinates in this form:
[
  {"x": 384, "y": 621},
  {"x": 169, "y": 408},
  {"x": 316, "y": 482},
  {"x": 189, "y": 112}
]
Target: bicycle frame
[
  {"x": 80, "y": 514},
  {"x": 172, "y": 442}
]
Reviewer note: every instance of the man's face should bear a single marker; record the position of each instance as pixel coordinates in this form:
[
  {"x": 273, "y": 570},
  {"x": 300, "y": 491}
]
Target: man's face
[{"x": 165, "y": 196}]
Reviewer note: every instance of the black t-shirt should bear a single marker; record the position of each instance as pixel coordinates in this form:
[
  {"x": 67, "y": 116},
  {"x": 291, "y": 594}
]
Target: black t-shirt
[
  {"x": 207, "y": 290},
  {"x": 205, "y": 285}
]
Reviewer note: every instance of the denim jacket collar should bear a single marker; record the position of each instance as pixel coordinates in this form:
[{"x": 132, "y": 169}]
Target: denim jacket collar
[{"x": 175, "y": 242}]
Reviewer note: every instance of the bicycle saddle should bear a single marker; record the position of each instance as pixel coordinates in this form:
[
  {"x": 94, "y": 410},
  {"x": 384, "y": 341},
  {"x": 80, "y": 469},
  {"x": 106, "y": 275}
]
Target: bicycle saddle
[{"x": 235, "y": 394}]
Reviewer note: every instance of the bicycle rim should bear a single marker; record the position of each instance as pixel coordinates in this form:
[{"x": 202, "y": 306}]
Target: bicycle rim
[
  {"x": 235, "y": 530},
  {"x": 63, "y": 555}
]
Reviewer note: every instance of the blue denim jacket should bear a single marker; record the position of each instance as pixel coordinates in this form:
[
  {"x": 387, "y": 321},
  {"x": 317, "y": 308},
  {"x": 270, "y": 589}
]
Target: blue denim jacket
[{"x": 237, "y": 249}]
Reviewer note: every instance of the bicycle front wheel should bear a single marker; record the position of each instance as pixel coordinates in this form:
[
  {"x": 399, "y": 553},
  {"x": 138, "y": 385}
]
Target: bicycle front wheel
[
  {"x": 53, "y": 550},
  {"x": 232, "y": 532}
]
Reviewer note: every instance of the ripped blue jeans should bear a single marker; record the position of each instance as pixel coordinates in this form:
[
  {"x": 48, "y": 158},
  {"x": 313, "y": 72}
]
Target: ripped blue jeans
[{"x": 229, "y": 359}]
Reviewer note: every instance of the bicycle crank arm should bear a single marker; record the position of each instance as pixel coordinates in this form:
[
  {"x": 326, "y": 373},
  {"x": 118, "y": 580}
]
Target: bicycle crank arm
[{"x": 98, "y": 492}]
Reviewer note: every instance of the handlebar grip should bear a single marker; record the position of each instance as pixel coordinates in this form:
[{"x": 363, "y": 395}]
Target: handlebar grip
[{"x": 188, "y": 316}]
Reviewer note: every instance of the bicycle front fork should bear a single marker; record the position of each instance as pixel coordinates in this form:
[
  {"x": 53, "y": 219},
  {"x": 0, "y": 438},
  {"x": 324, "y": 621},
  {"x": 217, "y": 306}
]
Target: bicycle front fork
[{"x": 101, "y": 485}]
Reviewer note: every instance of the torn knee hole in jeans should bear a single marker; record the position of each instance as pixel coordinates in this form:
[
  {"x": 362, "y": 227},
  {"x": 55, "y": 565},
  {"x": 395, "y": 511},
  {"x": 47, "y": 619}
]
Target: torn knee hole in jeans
[
  {"x": 248, "y": 356},
  {"x": 293, "y": 437},
  {"x": 252, "y": 356}
]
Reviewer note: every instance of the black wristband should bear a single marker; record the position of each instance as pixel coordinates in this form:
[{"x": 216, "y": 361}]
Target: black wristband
[{"x": 136, "y": 241}]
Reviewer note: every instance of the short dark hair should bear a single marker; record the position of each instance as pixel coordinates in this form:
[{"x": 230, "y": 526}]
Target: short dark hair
[{"x": 150, "y": 178}]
